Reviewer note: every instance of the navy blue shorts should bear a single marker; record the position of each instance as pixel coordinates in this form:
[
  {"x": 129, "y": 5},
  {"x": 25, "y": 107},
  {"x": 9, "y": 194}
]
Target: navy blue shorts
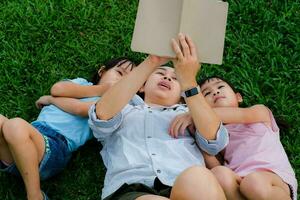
[{"x": 56, "y": 155}]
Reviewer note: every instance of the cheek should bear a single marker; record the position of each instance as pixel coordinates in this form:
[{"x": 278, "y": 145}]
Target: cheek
[{"x": 209, "y": 100}]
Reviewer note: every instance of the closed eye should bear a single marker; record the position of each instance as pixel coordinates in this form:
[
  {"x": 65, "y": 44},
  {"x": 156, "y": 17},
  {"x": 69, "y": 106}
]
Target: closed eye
[
  {"x": 221, "y": 86},
  {"x": 207, "y": 93},
  {"x": 160, "y": 73},
  {"x": 120, "y": 73}
]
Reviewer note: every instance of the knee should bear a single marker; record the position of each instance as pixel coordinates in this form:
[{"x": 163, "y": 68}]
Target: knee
[
  {"x": 197, "y": 173},
  {"x": 14, "y": 130},
  {"x": 2, "y": 120},
  {"x": 196, "y": 182},
  {"x": 253, "y": 187},
  {"x": 225, "y": 176}
]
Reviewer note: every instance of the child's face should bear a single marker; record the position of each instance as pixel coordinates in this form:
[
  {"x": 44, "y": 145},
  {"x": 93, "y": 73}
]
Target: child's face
[
  {"x": 115, "y": 74},
  {"x": 218, "y": 93},
  {"x": 162, "y": 87}
]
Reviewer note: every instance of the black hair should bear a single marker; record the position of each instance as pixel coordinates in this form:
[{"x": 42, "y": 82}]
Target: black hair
[{"x": 109, "y": 64}]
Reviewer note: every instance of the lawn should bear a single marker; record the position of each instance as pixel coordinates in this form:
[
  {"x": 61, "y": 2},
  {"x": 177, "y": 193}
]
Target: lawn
[{"x": 42, "y": 42}]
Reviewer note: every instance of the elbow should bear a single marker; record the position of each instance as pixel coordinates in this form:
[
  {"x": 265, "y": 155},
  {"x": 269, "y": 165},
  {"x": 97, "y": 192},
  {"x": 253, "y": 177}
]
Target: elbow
[
  {"x": 101, "y": 113},
  {"x": 81, "y": 112},
  {"x": 57, "y": 89}
]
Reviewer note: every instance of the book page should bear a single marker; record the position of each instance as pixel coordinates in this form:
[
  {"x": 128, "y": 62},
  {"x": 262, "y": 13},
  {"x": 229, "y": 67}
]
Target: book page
[
  {"x": 157, "y": 22},
  {"x": 205, "y": 22}
]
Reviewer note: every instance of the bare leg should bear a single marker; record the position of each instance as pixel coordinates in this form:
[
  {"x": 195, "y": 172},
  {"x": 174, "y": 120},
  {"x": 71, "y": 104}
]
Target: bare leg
[
  {"x": 5, "y": 154},
  {"x": 197, "y": 183},
  {"x": 263, "y": 185},
  {"x": 27, "y": 147},
  {"x": 229, "y": 182},
  {"x": 151, "y": 197}
]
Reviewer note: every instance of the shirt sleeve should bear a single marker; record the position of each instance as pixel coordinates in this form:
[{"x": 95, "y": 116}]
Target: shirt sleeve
[
  {"x": 104, "y": 128},
  {"x": 213, "y": 147},
  {"x": 136, "y": 100}
]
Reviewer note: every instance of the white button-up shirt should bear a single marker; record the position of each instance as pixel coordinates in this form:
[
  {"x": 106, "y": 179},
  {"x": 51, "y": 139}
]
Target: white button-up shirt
[{"x": 137, "y": 147}]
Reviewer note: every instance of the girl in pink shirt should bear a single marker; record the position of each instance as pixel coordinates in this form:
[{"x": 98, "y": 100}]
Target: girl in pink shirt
[{"x": 255, "y": 163}]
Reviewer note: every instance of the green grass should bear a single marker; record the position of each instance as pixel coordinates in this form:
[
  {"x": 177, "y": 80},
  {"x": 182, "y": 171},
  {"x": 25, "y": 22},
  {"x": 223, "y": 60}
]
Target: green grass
[{"x": 42, "y": 42}]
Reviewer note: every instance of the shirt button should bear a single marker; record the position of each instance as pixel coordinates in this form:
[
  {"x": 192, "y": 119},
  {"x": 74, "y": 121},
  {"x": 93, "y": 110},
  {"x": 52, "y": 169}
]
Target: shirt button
[
  {"x": 150, "y": 111},
  {"x": 158, "y": 171},
  {"x": 149, "y": 137},
  {"x": 153, "y": 154}
]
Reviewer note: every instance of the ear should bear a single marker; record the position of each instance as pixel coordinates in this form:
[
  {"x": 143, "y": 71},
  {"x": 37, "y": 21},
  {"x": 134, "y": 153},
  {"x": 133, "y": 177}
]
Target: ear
[
  {"x": 239, "y": 97},
  {"x": 101, "y": 71}
]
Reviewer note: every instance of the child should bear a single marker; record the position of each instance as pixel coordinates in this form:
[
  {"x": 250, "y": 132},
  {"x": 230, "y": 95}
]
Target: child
[
  {"x": 142, "y": 160},
  {"x": 256, "y": 165},
  {"x": 42, "y": 149}
]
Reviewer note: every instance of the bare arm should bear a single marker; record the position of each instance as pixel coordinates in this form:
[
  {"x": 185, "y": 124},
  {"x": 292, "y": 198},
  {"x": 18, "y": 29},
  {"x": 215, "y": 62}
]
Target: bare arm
[
  {"x": 120, "y": 94},
  {"x": 186, "y": 65},
  {"x": 73, "y": 90},
  {"x": 253, "y": 114},
  {"x": 70, "y": 105},
  {"x": 210, "y": 161}
]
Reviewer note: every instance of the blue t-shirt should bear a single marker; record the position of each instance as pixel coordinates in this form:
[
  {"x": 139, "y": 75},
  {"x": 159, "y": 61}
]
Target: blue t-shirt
[{"x": 75, "y": 128}]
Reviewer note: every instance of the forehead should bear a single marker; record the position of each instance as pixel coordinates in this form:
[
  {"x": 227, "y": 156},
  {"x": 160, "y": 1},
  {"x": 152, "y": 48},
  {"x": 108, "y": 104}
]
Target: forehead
[
  {"x": 211, "y": 82},
  {"x": 125, "y": 64},
  {"x": 166, "y": 69}
]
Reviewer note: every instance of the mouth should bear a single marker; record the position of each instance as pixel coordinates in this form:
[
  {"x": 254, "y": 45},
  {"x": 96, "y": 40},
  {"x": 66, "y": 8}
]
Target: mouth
[
  {"x": 217, "y": 98},
  {"x": 165, "y": 85}
]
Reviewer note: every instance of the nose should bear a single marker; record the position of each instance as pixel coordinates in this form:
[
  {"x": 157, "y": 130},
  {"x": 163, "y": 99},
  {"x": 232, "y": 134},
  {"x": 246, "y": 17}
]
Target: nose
[
  {"x": 216, "y": 92},
  {"x": 167, "y": 78}
]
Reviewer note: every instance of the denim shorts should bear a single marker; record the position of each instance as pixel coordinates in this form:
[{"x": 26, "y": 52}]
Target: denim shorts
[{"x": 56, "y": 155}]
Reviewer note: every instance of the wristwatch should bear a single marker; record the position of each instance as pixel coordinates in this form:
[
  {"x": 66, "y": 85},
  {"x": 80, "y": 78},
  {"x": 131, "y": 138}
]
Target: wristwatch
[{"x": 191, "y": 92}]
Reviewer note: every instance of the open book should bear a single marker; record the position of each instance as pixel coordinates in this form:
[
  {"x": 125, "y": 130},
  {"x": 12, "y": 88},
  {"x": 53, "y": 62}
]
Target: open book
[{"x": 158, "y": 21}]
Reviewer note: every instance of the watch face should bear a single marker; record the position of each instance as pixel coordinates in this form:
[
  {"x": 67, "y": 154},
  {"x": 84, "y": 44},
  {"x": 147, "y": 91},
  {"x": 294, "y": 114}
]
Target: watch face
[{"x": 191, "y": 92}]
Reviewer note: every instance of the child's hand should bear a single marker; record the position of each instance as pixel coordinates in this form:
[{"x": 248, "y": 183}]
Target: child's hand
[
  {"x": 43, "y": 101},
  {"x": 180, "y": 123},
  {"x": 186, "y": 62}
]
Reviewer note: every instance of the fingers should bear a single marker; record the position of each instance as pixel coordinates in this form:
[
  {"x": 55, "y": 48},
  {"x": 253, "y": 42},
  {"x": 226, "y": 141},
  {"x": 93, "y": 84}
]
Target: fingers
[
  {"x": 172, "y": 126},
  {"x": 192, "y": 128},
  {"x": 192, "y": 46},
  {"x": 183, "y": 127},
  {"x": 177, "y": 49},
  {"x": 184, "y": 45},
  {"x": 38, "y": 105},
  {"x": 179, "y": 125}
]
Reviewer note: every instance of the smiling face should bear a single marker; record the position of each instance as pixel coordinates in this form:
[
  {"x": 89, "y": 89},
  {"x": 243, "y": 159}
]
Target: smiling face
[
  {"x": 218, "y": 93},
  {"x": 162, "y": 87}
]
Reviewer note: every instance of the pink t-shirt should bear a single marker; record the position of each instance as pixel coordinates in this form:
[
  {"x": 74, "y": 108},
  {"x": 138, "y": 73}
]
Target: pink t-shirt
[{"x": 256, "y": 146}]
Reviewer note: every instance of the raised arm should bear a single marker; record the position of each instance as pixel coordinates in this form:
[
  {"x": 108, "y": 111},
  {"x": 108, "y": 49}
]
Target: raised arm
[
  {"x": 253, "y": 114},
  {"x": 120, "y": 94},
  {"x": 187, "y": 66},
  {"x": 73, "y": 90},
  {"x": 70, "y": 105}
]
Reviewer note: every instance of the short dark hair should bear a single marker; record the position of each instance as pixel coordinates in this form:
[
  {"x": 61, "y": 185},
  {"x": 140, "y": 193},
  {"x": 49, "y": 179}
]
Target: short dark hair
[{"x": 109, "y": 64}]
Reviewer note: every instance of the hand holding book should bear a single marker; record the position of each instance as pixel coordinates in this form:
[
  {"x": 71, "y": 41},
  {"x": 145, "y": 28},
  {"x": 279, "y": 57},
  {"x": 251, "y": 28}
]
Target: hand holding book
[
  {"x": 186, "y": 62},
  {"x": 157, "y": 22}
]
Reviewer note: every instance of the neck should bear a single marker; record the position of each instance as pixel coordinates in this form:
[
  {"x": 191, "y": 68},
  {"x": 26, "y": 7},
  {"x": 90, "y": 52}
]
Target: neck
[{"x": 158, "y": 102}]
